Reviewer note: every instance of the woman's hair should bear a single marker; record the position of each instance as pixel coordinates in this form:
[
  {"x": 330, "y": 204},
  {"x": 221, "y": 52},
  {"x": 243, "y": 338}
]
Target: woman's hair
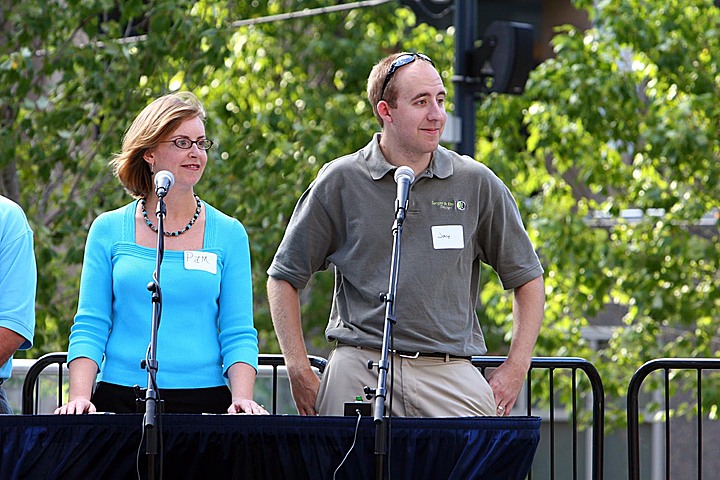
[
  {"x": 375, "y": 83},
  {"x": 154, "y": 123}
]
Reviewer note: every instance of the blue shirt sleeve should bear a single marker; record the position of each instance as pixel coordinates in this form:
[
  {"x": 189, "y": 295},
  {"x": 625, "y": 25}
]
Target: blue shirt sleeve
[
  {"x": 238, "y": 336},
  {"x": 93, "y": 320},
  {"x": 18, "y": 276}
]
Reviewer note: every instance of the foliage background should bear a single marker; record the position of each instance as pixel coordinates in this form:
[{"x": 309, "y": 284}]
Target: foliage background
[{"x": 625, "y": 116}]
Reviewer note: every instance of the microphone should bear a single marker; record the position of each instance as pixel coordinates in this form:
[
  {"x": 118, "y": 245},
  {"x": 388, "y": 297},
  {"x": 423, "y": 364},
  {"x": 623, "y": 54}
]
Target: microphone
[
  {"x": 164, "y": 181},
  {"x": 404, "y": 177}
]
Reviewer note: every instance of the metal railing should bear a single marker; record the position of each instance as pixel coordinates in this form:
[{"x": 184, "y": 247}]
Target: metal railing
[
  {"x": 30, "y": 396},
  {"x": 31, "y": 386},
  {"x": 573, "y": 364},
  {"x": 276, "y": 361},
  {"x": 633, "y": 413},
  {"x": 30, "y": 391}
]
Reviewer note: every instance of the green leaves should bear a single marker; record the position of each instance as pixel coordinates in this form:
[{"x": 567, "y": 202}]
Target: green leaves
[
  {"x": 622, "y": 121},
  {"x": 283, "y": 98},
  {"x": 622, "y": 172}
]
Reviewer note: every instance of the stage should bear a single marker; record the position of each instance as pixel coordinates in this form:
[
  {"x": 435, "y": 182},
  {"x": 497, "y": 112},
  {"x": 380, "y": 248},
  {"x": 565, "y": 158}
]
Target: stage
[{"x": 277, "y": 447}]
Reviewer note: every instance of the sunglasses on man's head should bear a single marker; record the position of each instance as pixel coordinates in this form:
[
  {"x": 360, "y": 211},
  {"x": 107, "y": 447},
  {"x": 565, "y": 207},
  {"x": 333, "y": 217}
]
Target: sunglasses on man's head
[{"x": 401, "y": 61}]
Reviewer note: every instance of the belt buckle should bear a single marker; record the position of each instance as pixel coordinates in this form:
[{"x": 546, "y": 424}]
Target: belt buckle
[{"x": 405, "y": 355}]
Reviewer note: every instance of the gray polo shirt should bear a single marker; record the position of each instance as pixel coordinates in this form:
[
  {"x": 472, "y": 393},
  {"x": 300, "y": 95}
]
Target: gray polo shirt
[{"x": 459, "y": 215}]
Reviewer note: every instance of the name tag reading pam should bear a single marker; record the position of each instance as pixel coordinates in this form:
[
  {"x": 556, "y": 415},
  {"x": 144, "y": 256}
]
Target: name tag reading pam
[
  {"x": 446, "y": 237},
  {"x": 205, "y": 261}
]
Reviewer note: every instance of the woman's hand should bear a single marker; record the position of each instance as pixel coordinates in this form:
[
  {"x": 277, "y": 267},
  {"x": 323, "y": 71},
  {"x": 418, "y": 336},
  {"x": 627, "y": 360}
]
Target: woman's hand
[
  {"x": 76, "y": 407},
  {"x": 244, "y": 405}
]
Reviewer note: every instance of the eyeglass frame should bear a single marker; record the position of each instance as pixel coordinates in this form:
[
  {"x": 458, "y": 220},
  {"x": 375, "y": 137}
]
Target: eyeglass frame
[
  {"x": 401, "y": 61},
  {"x": 207, "y": 141}
]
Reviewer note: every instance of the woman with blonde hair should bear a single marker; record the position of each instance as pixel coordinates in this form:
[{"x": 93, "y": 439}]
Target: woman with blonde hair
[{"x": 207, "y": 347}]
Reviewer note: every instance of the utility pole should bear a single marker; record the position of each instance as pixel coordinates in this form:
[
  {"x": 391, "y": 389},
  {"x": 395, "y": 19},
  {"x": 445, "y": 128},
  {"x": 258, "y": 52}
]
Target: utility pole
[
  {"x": 498, "y": 61},
  {"x": 465, "y": 35}
]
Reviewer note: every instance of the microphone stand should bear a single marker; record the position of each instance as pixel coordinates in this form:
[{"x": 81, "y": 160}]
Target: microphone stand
[
  {"x": 151, "y": 416},
  {"x": 381, "y": 447}
]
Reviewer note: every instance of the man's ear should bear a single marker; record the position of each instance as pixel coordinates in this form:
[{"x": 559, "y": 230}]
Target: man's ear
[{"x": 383, "y": 110}]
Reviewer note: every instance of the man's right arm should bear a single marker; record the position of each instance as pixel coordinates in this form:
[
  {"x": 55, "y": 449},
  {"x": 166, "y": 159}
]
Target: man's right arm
[
  {"x": 10, "y": 341},
  {"x": 285, "y": 311}
]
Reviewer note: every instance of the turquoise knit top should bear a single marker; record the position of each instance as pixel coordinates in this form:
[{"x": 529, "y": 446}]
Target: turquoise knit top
[{"x": 207, "y": 312}]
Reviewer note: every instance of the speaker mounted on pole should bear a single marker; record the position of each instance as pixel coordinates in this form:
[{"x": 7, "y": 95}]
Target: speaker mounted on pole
[{"x": 504, "y": 59}]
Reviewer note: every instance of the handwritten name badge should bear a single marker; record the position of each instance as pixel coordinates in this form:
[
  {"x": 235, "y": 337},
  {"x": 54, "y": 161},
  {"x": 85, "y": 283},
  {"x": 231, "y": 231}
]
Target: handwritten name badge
[
  {"x": 447, "y": 237},
  {"x": 205, "y": 261}
]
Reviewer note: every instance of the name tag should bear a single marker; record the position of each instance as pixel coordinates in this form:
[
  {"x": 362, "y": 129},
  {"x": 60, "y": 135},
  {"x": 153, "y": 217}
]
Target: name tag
[
  {"x": 205, "y": 261},
  {"x": 447, "y": 237}
]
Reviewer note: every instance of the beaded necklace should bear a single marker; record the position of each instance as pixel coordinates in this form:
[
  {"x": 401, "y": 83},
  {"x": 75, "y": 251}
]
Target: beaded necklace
[{"x": 178, "y": 232}]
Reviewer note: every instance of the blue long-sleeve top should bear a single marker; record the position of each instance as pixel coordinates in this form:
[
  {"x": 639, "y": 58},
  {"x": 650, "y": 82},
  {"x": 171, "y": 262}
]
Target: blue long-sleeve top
[{"x": 207, "y": 318}]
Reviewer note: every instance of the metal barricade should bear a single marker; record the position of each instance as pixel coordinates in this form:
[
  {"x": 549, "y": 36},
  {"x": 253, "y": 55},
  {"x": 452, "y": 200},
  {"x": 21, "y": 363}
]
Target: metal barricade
[
  {"x": 30, "y": 396},
  {"x": 633, "y": 413},
  {"x": 31, "y": 385},
  {"x": 573, "y": 364}
]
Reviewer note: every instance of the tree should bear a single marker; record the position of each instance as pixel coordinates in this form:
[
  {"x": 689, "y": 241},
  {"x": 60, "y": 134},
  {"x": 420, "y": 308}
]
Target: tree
[
  {"x": 293, "y": 99},
  {"x": 72, "y": 80},
  {"x": 623, "y": 119},
  {"x": 282, "y": 97}
]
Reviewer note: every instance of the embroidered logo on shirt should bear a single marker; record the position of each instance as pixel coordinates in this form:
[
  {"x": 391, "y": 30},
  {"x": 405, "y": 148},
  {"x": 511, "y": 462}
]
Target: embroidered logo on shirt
[{"x": 449, "y": 204}]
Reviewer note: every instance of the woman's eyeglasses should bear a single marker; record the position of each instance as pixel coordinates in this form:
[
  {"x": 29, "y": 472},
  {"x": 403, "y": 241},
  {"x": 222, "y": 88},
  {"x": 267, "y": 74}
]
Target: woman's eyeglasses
[
  {"x": 186, "y": 143},
  {"x": 401, "y": 61}
]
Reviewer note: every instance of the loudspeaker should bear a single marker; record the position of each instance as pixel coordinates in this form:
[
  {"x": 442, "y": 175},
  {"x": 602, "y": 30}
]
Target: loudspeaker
[{"x": 504, "y": 59}]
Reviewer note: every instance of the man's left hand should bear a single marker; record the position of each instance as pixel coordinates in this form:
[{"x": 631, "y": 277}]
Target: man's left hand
[{"x": 506, "y": 382}]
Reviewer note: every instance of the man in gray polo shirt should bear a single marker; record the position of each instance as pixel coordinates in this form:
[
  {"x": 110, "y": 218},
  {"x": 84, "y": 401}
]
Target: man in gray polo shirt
[{"x": 459, "y": 215}]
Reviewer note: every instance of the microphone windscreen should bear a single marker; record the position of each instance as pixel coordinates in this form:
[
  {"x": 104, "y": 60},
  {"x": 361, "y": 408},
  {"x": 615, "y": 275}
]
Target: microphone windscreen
[
  {"x": 164, "y": 179},
  {"x": 404, "y": 171}
]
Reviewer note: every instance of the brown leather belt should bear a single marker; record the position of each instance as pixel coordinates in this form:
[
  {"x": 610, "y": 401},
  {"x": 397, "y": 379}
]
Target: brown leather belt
[
  {"x": 433, "y": 355},
  {"x": 412, "y": 355}
]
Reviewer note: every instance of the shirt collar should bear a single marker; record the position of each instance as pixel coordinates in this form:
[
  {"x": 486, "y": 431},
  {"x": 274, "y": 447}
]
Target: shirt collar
[{"x": 440, "y": 166}]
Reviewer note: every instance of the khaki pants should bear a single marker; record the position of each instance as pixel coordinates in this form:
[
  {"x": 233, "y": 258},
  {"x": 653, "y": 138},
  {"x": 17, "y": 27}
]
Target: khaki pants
[{"x": 419, "y": 387}]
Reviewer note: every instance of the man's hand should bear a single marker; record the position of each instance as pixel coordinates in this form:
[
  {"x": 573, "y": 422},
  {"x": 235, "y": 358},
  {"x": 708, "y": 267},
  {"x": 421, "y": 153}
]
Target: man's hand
[
  {"x": 304, "y": 385},
  {"x": 507, "y": 380}
]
